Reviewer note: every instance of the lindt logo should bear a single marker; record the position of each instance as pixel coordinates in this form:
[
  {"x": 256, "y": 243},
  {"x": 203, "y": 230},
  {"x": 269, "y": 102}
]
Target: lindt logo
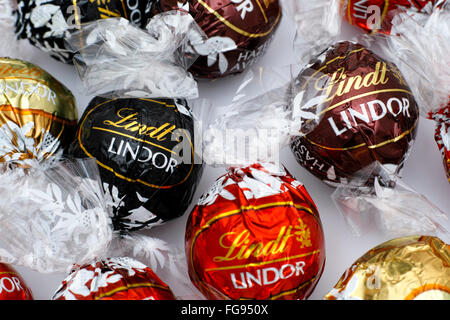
[
  {"x": 240, "y": 247},
  {"x": 129, "y": 121},
  {"x": 339, "y": 84}
]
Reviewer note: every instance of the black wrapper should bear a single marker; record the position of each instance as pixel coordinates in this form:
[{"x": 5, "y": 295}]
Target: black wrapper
[
  {"x": 47, "y": 23},
  {"x": 145, "y": 151}
]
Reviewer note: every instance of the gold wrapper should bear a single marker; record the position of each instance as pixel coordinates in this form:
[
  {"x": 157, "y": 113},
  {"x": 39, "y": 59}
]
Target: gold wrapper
[
  {"x": 38, "y": 115},
  {"x": 408, "y": 268}
]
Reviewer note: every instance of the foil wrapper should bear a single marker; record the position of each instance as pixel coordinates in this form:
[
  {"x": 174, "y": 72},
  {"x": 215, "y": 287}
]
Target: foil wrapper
[
  {"x": 113, "y": 279},
  {"x": 46, "y": 24},
  {"x": 367, "y": 113},
  {"x": 408, "y": 268},
  {"x": 442, "y": 135},
  {"x": 38, "y": 114},
  {"x": 145, "y": 152},
  {"x": 238, "y": 31},
  {"x": 377, "y": 15},
  {"x": 256, "y": 234},
  {"x": 12, "y": 285}
]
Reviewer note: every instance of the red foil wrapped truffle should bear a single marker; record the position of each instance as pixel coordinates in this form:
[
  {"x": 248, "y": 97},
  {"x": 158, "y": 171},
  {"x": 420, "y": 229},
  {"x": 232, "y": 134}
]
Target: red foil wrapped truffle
[
  {"x": 256, "y": 234},
  {"x": 369, "y": 114},
  {"x": 113, "y": 279},
  {"x": 12, "y": 285},
  {"x": 238, "y": 31},
  {"x": 377, "y": 15}
]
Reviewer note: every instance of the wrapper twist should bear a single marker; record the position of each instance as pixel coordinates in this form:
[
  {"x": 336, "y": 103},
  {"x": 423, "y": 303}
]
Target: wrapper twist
[
  {"x": 260, "y": 120},
  {"x": 61, "y": 219},
  {"x": 114, "y": 57},
  {"x": 58, "y": 218},
  {"x": 378, "y": 201},
  {"x": 420, "y": 48}
]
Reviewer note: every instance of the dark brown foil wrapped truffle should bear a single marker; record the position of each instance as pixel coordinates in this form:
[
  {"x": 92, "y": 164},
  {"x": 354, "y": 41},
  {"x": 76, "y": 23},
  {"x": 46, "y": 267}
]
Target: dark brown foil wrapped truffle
[
  {"x": 245, "y": 27},
  {"x": 369, "y": 113}
]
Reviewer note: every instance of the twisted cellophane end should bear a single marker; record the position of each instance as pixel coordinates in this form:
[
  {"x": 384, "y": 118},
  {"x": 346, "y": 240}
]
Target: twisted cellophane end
[
  {"x": 114, "y": 57},
  {"x": 53, "y": 215},
  {"x": 378, "y": 202}
]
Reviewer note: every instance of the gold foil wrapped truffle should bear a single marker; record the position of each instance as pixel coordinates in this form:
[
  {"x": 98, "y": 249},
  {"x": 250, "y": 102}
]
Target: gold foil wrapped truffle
[
  {"x": 407, "y": 268},
  {"x": 38, "y": 115}
]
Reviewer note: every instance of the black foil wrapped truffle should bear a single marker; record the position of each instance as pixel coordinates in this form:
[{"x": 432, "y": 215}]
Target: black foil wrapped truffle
[
  {"x": 135, "y": 143},
  {"x": 139, "y": 126}
]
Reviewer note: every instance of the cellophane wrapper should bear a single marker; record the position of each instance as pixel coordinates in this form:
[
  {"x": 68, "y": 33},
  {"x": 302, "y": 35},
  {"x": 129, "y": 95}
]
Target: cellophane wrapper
[
  {"x": 10, "y": 46},
  {"x": 57, "y": 217},
  {"x": 318, "y": 25},
  {"x": 168, "y": 261},
  {"x": 115, "y": 57},
  {"x": 53, "y": 216},
  {"x": 262, "y": 117},
  {"x": 420, "y": 49},
  {"x": 379, "y": 202}
]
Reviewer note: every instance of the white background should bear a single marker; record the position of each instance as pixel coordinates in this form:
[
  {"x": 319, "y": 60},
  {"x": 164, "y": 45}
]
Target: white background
[{"x": 423, "y": 172}]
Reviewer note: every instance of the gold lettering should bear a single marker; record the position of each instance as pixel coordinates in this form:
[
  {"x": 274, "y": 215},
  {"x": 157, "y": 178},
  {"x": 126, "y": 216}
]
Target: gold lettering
[
  {"x": 340, "y": 84},
  {"x": 152, "y": 135},
  {"x": 285, "y": 238},
  {"x": 166, "y": 132},
  {"x": 129, "y": 123},
  {"x": 239, "y": 241},
  {"x": 118, "y": 123},
  {"x": 384, "y": 79},
  {"x": 240, "y": 248},
  {"x": 106, "y": 13},
  {"x": 353, "y": 82}
]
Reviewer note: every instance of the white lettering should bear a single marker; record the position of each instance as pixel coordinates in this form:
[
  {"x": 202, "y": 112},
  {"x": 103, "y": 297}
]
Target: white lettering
[
  {"x": 377, "y": 110},
  {"x": 142, "y": 154},
  {"x": 243, "y": 7},
  {"x": 361, "y": 7},
  {"x": 269, "y": 275},
  {"x": 135, "y": 15}
]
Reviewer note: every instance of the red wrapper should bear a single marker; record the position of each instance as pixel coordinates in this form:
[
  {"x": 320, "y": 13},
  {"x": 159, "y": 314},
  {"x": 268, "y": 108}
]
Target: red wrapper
[
  {"x": 12, "y": 285},
  {"x": 442, "y": 134},
  {"x": 255, "y": 235},
  {"x": 377, "y": 15},
  {"x": 370, "y": 114},
  {"x": 238, "y": 31},
  {"x": 113, "y": 279}
]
